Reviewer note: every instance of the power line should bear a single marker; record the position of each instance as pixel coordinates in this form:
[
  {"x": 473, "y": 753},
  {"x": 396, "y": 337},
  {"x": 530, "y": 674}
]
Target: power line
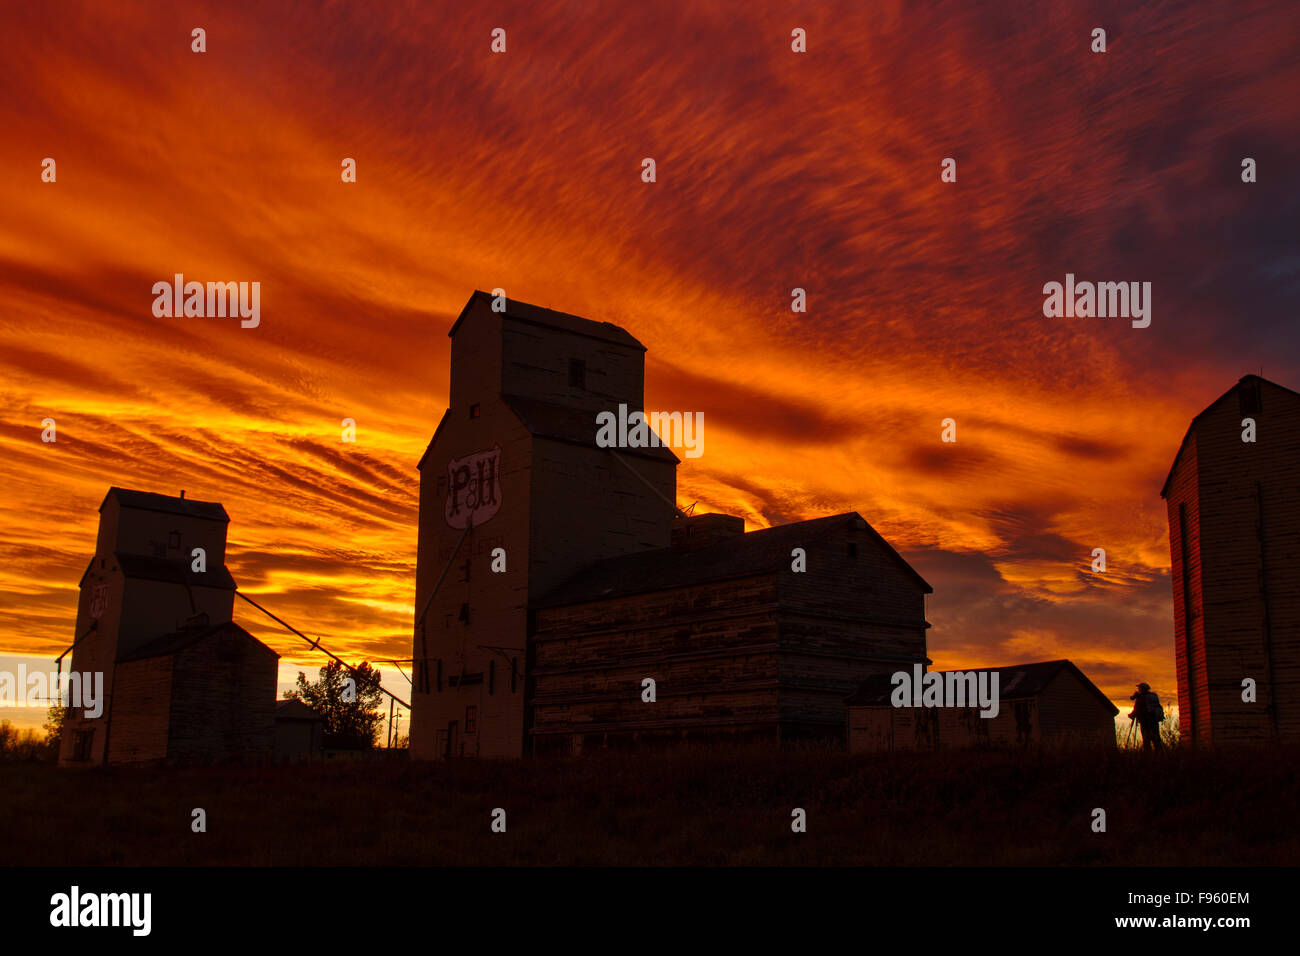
[{"x": 316, "y": 644}]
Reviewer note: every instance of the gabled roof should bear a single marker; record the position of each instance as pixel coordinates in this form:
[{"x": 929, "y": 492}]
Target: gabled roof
[
  {"x": 743, "y": 555},
  {"x": 186, "y": 637},
  {"x": 291, "y": 708},
  {"x": 149, "y": 501},
  {"x": 574, "y": 425},
  {"x": 536, "y": 315},
  {"x": 1164, "y": 489},
  {"x": 1015, "y": 682},
  {"x": 175, "y": 571},
  {"x": 429, "y": 447}
]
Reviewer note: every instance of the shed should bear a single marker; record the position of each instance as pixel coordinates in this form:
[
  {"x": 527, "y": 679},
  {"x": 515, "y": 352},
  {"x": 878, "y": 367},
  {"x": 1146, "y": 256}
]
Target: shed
[
  {"x": 1048, "y": 703},
  {"x": 299, "y": 731}
]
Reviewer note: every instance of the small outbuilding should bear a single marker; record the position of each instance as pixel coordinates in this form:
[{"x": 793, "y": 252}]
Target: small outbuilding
[
  {"x": 1049, "y": 703},
  {"x": 299, "y": 732}
]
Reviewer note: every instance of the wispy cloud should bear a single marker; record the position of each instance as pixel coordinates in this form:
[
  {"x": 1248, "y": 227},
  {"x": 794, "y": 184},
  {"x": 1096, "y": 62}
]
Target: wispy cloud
[{"x": 776, "y": 170}]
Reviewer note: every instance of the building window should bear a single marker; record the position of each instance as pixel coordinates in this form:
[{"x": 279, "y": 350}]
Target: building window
[
  {"x": 853, "y": 550},
  {"x": 577, "y": 373},
  {"x": 471, "y": 719},
  {"x": 475, "y": 410},
  {"x": 464, "y": 613}
]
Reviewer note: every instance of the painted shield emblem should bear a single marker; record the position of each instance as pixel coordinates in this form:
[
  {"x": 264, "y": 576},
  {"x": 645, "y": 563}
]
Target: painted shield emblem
[
  {"x": 98, "y": 601},
  {"x": 473, "y": 488}
]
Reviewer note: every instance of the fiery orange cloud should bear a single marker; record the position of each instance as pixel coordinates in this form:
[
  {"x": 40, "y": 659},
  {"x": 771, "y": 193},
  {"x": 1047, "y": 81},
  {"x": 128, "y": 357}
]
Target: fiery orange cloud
[{"x": 775, "y": 170}]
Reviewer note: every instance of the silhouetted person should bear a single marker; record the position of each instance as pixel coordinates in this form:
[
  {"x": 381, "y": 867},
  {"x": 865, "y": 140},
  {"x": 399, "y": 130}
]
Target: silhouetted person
[{"x": 1148, "y": 713}]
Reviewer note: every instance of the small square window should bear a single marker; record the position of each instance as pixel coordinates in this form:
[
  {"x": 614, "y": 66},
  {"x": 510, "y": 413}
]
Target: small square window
[
  {"x": 577, "y": 373},
  {"x": 474, "y": 410},
  {"x": 853, "y": 550}
]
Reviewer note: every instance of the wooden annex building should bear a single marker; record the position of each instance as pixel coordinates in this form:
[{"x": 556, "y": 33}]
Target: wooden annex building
[
  {"x": 1233, "y": 500},
  {"x": 182, "y": 682},
  {"x": 1051, "y": 703},
  {"x": 556, "y": 577}
]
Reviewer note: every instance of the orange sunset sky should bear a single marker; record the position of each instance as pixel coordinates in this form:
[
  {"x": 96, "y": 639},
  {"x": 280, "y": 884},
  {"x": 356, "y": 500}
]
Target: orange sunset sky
[{"x": 522, "y": 171}]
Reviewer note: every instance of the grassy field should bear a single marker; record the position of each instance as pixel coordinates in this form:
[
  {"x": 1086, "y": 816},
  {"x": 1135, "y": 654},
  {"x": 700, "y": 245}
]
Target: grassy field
[{"x": 1231, "y": 807}]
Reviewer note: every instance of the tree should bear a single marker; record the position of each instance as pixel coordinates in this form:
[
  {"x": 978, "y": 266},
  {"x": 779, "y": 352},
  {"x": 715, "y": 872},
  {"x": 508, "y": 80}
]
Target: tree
[
  {"x": 53, "y": 728},
  {"x": 348, "y": 700},
  {"x": 25, "y": 745}
]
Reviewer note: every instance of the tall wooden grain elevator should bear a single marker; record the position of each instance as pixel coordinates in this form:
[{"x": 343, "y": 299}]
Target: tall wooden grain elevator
[
  {"x": 1234, "y": 539},
  {"x": 555, "y": 577},
  {"x": 513, "y": 477}
]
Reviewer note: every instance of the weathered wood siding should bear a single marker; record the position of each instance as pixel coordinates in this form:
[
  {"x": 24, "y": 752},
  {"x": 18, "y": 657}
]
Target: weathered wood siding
[
  {"x": 299, "y": 740},
  {"x": 128, "y": 612},
  {"x": 1244, "y": 537},
  {"x": 1071, "y": 713},
  {"x": 781, "y": 650},
  {"x": 1064, "y": 713},
  {"x": 853, "y": 613},
  {"x": 223, "y": 700},
  {"x": 563, "y": 506},
  {"x": 449, "y": 645},
  {"x": 711, "y": 649},
  {"x": 1183, "y": 506},
  {"x": 141, "y": 711}
]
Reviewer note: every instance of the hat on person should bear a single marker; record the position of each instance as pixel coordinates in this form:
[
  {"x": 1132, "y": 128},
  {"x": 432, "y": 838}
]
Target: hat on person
[{"x": 1144, "y": 686}]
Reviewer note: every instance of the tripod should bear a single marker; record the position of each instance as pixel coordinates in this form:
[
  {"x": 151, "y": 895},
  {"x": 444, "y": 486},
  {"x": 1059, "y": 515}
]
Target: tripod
[{"x": 1132, "y": 733}]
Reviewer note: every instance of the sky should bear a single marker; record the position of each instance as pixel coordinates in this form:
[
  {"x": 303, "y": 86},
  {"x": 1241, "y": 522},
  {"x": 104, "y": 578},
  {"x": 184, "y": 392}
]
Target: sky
[{"x": 522, "y": 170}]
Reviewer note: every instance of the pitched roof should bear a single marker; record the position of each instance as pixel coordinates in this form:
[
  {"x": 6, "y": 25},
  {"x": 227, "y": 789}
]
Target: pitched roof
[
  {"x": 149, "y": 501},
  {"x": 536, "y": 315},
  {"x": 1164, "y": 489},
  {"x": 186, "y": 637},
  {"x": 1015, "y": 682},
  {"x": 573, "y": 425},
  {"x": 149, "y": 568},
  {"x": 742, "y": 555},
  {"x": 290, "y": 708}
]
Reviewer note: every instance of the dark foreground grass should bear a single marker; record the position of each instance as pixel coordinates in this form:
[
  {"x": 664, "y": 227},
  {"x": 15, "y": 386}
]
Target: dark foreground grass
[{"x": 1226, "y": 807}]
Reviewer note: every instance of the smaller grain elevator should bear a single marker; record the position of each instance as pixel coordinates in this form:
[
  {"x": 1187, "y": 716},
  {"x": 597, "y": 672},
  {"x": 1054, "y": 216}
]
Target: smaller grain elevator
[{"x": 181, "y": 680}]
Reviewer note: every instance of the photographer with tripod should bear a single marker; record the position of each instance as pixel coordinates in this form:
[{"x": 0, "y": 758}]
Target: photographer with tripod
[{"x": 1147, "y": 714}]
